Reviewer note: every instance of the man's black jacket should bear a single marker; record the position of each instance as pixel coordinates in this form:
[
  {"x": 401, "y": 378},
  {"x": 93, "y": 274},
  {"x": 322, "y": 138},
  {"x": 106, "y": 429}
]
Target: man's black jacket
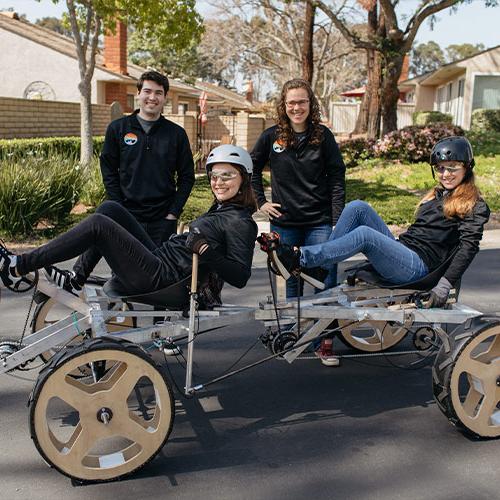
[
  {"x": 434, "y": 237},
  {"x": 308, "y": 181},
  {"x": 149, "y": 174}
]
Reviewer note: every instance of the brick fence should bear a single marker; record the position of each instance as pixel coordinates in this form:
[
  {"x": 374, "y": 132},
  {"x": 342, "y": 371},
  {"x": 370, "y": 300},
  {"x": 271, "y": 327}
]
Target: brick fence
[{"x": 22, "y": 118}]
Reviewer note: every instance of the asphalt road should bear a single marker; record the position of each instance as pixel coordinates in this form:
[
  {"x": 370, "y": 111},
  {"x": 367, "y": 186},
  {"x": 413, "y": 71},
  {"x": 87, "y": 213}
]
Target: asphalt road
[{"x": 365, "y": 430}]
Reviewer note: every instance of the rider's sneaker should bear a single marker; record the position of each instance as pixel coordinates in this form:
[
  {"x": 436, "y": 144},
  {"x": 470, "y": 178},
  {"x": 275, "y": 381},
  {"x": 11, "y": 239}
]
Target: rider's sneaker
[
  {"x": 63, "y": 279},
  {"x": 7, "y": 267},
  {"x": 289, "y": 257},
  {"x": 325, "y": 353}
]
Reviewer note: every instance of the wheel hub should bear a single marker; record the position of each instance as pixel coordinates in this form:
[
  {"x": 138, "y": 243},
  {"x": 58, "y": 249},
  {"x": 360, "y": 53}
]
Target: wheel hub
[{"x": 104, "y": 415}]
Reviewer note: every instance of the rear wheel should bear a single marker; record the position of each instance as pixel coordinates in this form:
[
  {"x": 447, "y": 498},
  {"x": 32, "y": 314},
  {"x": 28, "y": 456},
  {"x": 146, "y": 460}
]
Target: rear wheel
[{"x": 466, "y": 378}]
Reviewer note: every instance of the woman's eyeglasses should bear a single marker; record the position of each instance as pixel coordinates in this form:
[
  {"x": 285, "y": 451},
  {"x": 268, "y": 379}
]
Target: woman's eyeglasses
[
  {"x": 222, "y": 176},
  {"x": 301, "y": 104},
  {"x": 441, "y": 169}
]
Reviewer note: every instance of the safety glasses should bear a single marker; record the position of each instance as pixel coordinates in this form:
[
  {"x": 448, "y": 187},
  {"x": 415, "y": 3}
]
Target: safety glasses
[
  {"x": 222, "y": 176},
  {"x": 441, "y": 169}
]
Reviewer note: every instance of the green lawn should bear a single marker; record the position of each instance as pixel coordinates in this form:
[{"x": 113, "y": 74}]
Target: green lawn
[{"x": 394, "y": 188}]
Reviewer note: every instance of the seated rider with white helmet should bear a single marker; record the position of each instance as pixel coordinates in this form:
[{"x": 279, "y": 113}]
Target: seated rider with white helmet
[{"x": 223, "y": 237}]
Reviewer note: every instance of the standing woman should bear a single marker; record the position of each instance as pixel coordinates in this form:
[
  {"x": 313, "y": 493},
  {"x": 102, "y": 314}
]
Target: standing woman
[{"x": 307, "y": 173}]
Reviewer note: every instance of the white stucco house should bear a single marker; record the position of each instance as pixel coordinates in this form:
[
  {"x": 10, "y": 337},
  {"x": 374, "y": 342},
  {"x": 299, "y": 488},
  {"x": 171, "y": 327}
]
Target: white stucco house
[
  {"x": 38, "y": 63},
  {"x": 458, "y": 88}
]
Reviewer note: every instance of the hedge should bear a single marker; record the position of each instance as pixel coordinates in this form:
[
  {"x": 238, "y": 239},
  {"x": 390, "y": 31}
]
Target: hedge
[
  {"x": 45, "y": 147},
  {"x": 427, "y": 117},
  {"x": 485, "y": 120}
]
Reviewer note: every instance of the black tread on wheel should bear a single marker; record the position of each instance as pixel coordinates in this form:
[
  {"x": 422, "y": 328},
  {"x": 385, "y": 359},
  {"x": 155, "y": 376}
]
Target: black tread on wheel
[{"x": 452, "y": 383}]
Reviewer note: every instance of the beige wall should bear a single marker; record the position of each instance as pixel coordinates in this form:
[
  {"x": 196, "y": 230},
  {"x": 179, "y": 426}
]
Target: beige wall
[
  {"x": 24, "y": 118},
  {"x": 29, "y": 62},
  {"x": 188, "y": 123},
  {"x": 487, "y": 63}
]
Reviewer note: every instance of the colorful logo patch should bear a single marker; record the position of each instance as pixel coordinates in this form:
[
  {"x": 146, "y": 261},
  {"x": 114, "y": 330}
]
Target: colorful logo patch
[
  {"x": 130, "y": 139},
  {"x": 277, "y": 147}
]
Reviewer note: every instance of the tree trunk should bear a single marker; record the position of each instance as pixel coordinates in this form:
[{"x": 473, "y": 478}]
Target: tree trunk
[
  {"x": 374, "y": 109},
  {"x": 390, "y": 91},
  {"x": 368, "y": 121},
  {"x": 307, "y": 48},
  {"x": 86, "y": 149}
]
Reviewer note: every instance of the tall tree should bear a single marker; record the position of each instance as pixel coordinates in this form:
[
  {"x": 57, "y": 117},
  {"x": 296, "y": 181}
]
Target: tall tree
[
  {"x": 393, "y": 44},
  {"x": 461, "y": 51},
  {"x": 308, "y": 44},
  {"x": 426, "y": 57},
  {"x": 54, "y": 24},
  {"x": 368, "y": 120},
  {"x": 267, "y": 37},
  {"x": 175, "y": 20},
  {"x": 208, "y": 59}
]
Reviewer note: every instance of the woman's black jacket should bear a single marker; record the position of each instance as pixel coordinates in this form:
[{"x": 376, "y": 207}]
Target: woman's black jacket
[
  {"x": 230, "y": 232},
  {"x": 434, "y": 237},
  {"x": 307, "y": 181}
]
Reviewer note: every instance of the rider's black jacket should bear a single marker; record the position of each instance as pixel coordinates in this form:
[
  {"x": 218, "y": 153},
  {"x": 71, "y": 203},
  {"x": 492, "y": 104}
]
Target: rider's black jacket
[
  {"x": 307, "y": 181},
  {"x": 151, "y": 174},
  {"x": 434, "y": 237},
  {"x": 230, "y": 232}
]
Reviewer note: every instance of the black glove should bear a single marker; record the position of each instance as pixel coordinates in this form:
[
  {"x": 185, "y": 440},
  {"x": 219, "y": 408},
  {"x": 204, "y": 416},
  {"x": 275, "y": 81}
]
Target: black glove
[
  {"x": 195, "y": 241},
  {"x": 439, "y": 294}
]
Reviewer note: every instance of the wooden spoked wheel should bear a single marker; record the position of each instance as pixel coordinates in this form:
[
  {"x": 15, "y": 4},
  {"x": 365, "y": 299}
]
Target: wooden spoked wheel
[
  {"x": 107, "y": 425},
  {"x": 371, "y": 336},
  {"x": 475, "y": 384},
  {"x": 48, "y": 311}
]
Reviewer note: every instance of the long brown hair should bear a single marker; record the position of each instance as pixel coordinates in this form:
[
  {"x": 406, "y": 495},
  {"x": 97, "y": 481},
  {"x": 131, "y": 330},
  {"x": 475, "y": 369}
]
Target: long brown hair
[
  {"x": 286, "y": 136},
  {"x": 461, "y": 200},
  {"x": 244, "y": 196}
]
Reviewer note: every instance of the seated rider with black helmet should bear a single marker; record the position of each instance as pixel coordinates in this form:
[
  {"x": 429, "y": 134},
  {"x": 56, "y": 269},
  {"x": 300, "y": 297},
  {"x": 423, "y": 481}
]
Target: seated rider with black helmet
[
  {"x": 449, "y": 220},
  {"x": 224, "y": 238}
]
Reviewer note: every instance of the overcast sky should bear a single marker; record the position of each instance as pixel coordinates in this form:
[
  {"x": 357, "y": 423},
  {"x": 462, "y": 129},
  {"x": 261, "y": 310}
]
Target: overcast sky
[{"x": 472, "y": 23}]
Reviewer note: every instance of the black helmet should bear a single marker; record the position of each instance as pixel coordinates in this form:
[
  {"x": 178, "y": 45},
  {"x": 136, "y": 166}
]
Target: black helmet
[{"x": 454, "y": 148}]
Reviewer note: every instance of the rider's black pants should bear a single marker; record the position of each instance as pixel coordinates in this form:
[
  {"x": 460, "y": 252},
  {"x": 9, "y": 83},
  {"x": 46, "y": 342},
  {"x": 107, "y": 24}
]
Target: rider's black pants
[{"x": 118, "y": 237}]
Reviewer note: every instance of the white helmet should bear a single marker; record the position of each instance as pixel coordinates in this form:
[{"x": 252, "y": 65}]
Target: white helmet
[{"x": 227, "y": 153}]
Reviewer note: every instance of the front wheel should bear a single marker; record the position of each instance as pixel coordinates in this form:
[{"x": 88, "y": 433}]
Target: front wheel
[{"x": 108, "y": 424}]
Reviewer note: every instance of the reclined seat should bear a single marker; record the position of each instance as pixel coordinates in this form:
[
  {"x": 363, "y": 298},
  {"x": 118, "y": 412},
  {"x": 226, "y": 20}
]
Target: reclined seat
[
  {"x": 365, "y": 272},
  {"x": 174, "y": 297}
]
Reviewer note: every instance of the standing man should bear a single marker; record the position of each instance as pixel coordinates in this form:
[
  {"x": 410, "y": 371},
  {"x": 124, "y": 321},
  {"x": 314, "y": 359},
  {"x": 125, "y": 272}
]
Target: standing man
[{"x": 146, "y": 162}]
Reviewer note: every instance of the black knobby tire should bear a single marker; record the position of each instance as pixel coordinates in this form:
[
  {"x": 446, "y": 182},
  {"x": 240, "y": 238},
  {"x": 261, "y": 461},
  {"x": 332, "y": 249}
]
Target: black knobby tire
[
  {"x": 50, "y": 376},
  {"x": 446, "y": 391}
]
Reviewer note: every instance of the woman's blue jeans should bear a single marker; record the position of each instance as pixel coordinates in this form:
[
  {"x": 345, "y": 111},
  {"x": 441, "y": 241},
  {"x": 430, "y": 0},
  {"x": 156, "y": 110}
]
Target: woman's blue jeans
[
  {"x": 361, "y": 229},
  {"x": 298, "y": 236}
]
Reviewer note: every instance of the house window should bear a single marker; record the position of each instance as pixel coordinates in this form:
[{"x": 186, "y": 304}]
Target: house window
[
  {"x": 441, "y": 99},
  {"x": 486, "y": 92},
  {"x": 449, "y": 90},
  {"x": 183, "y": 108},
  {"x": 130, "y": 101},
  {"x": 461, "y": 87}
]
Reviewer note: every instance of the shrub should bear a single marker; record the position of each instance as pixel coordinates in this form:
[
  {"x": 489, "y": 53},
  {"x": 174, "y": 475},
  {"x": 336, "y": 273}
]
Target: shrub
[
  {"x": 44, "y": 147},
  {"x": 485, "y": 143},
  {"x": 427, "y": 117},
  {"x": 200, "y": 200},
  {"x": 413, "y": 143},
  {"x": 486, "y": 120},
  {"x": 356, "y": 150},
  {"x": 93, "y": 191},
  {"x": 36, "y": 189}
]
